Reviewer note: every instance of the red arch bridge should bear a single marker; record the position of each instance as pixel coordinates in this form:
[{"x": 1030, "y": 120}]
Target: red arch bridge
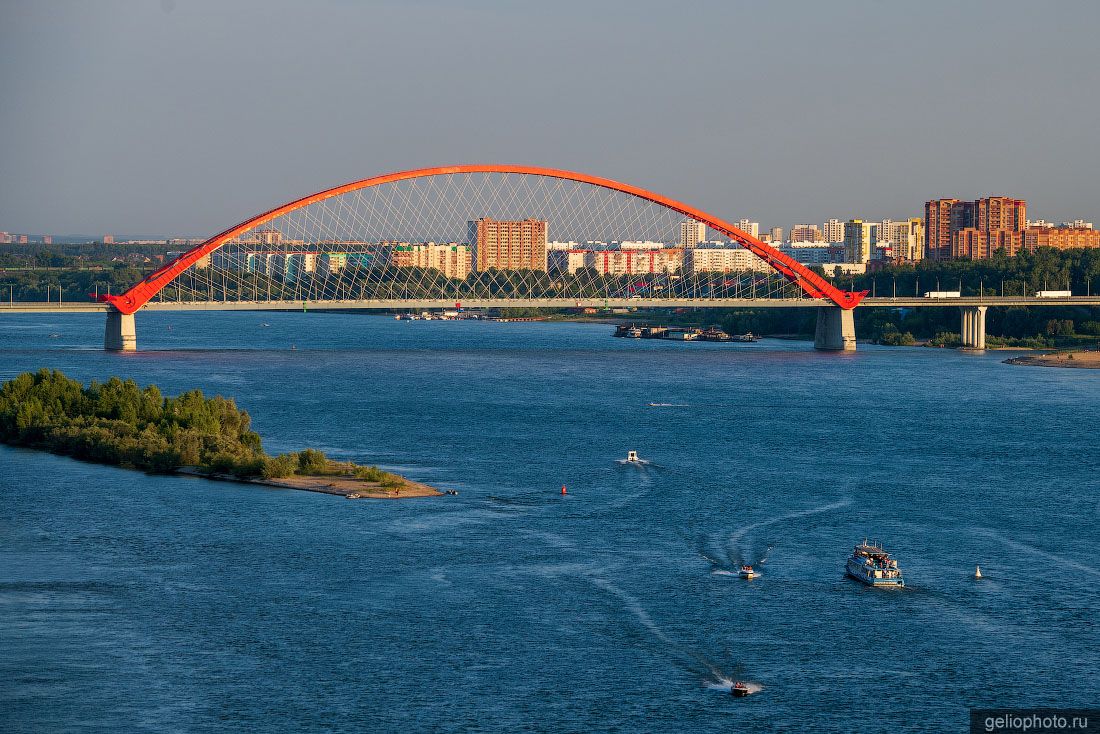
[{"x": 431, "y": 238}]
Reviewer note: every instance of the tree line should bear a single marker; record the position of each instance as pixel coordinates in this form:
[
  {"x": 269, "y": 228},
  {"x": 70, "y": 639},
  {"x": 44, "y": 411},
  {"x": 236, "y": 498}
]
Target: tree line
[{"x": 119, "y": 423}]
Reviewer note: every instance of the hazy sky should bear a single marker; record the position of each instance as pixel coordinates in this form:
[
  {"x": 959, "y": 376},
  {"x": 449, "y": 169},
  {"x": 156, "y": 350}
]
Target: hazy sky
[{"x": 186, "y": 116}]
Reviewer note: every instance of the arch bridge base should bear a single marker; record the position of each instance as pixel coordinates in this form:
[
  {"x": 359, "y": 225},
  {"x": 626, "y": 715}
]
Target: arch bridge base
[
  {"x": 836, "y": 329},
  {"x": 120, "y": 334}
]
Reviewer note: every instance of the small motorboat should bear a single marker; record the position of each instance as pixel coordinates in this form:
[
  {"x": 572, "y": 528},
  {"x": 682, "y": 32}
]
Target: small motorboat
[
  {"x": 747, "y": 572},
  {"x": 632, "y": 456},
  {"x": 739, "y": 689},
  {"x": 353, "y": 495}
]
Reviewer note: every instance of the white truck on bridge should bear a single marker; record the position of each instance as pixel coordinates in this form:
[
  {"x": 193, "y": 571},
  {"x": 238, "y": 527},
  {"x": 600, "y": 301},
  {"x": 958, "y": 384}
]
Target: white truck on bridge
[
  {"x": 1053, "y": 294},
  {"x": 943, "y": 294}
]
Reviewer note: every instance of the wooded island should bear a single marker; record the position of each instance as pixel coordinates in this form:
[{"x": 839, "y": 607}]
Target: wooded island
[{"x": 119, "y": 423}]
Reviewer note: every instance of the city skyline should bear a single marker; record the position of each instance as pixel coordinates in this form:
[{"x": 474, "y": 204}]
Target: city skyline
[{"x": 139, "y": 145}]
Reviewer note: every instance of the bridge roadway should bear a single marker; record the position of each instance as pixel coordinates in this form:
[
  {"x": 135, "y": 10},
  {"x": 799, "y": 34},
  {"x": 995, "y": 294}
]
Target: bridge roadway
[{"x": 441, "y": 303}]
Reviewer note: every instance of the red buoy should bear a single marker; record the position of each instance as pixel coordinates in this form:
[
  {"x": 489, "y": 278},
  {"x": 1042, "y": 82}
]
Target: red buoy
[{"x": 563, "y": 489}]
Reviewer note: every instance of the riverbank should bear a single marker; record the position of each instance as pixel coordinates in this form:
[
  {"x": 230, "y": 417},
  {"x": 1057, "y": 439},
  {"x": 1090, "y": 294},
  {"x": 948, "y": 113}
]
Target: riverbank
[
  {"x": 348, "y": 487},
  {"x": 1081, "y": 360}
]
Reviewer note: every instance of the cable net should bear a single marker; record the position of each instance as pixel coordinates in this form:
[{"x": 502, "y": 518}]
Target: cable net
[{"x": 478, "y": 236}]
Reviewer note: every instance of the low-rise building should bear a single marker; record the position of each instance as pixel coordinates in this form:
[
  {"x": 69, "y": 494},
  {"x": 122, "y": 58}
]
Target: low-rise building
[
  {"x": 835, "y": 269},
  {"x": 451, "y": 259},
  {"x": 722, "y": 260},
  {"x": 633, "y": 262},
  {"x": 641, "y": 245},
  {"x": 814, "y": 253},
  {"x": 1060, "y": 238},
  {"x": 567, "y": 261}
]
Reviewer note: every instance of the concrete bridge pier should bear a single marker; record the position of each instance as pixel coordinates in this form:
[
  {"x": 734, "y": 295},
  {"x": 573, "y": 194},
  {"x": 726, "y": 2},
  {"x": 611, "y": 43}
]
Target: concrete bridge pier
[
  {"x": 973, "y": 327},
  {"x": 836, "y": 329},
  {"x": 120, "y": 334}
]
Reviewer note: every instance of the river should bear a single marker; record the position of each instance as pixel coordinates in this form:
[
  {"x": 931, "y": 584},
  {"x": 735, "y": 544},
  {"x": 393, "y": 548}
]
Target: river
[{"x": 150, "y": 603}]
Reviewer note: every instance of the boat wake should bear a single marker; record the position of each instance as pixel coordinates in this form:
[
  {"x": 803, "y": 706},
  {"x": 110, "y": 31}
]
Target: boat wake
[
  {"x": 1038, "y": 552},
  {"x": 737, "y": 552},
  {"x": 681, "y": 656},
  {"x": 636, "y": 462}
]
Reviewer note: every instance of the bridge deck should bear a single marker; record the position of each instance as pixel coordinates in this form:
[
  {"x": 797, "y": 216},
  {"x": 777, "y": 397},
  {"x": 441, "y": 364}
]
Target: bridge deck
[{"x": 439, "y": 303}]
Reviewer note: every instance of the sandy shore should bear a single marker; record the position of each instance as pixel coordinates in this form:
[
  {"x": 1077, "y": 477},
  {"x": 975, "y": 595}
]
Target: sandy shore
[
  {"x": 1080, "y": 360},
  {"x": 341, "y": 486}
]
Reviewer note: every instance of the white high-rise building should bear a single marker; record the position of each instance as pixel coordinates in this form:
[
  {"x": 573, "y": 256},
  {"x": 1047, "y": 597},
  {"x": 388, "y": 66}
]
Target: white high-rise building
[
  {"x": 692, "y": 233},
  {"x": 833, "y": 230},
  {"x": 752, "y": 228}
]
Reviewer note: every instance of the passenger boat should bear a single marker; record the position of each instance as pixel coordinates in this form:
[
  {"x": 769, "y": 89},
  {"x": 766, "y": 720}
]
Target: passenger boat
[
  {"x": 747, "y": 572},
  {"x": 872, "y": 565},
  {"x": 746, "y": 337},
  {"x": 739, "y": 689},
  {"x": 714, "y": 334}
]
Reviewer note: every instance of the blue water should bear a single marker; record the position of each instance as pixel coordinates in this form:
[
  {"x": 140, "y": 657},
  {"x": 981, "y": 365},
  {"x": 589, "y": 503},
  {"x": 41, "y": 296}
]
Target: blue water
[{"x": 140, "y": 603}]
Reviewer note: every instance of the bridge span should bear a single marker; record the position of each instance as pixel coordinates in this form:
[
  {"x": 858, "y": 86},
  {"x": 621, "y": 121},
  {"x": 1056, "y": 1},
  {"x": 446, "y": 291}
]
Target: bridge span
[
  {"x": 397, "y": 304},
  {"x": 480, "y": 236},
  {"x": 835, "y": 332}
]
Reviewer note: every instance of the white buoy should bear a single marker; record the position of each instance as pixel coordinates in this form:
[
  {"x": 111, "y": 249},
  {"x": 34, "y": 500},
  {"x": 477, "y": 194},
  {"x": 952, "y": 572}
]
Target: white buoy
[{"x": 977, "y": 572}]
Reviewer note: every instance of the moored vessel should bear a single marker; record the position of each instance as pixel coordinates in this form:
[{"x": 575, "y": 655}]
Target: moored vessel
[{"x": 871, "y": 564}]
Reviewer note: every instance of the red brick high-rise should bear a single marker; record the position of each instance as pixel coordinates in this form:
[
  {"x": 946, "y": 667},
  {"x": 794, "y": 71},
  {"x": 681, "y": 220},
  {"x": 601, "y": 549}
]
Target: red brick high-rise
[
  {"x": 974, "y": 230},
  {"x": 508, "y": 245}
]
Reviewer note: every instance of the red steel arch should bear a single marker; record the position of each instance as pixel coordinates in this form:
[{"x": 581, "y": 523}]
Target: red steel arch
[{"x": 811, "y": 283}]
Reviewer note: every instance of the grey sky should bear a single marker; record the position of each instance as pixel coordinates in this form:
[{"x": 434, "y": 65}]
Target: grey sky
[{"x": 186, "y": 116}]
